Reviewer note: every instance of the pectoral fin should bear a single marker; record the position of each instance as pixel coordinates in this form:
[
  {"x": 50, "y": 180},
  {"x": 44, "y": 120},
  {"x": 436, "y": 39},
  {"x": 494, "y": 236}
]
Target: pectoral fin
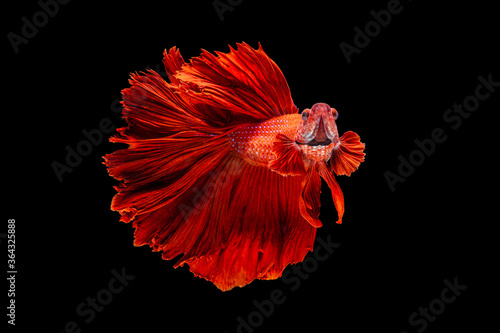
[
  {"x": 348, "y": 155},
  {"x": 289, "y": 162}
]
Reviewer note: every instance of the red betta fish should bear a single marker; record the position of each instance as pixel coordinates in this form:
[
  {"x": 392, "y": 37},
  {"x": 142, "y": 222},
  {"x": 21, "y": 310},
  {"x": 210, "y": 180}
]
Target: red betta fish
[{"x": 221, "y": 168}]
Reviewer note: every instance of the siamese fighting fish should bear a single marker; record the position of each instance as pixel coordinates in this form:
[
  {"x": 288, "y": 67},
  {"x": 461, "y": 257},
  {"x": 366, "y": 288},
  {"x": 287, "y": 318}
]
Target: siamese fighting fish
[{"x": 221, "y": 171}]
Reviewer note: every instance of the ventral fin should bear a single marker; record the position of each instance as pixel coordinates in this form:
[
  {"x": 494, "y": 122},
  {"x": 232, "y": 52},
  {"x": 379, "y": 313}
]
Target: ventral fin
[
  {"x": 309, "y": 202},
  {"x": 337, "y": 195}
]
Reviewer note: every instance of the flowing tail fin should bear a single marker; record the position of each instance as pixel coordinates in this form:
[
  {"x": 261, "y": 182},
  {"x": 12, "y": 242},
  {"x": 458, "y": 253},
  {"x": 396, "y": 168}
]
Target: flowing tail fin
[{"x": 185, "y": 190}]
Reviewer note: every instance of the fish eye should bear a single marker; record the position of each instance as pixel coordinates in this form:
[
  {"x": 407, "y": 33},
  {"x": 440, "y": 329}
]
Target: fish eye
[
  {"x": 335, "y": 114},
  {"x": 305, "y": 115}
]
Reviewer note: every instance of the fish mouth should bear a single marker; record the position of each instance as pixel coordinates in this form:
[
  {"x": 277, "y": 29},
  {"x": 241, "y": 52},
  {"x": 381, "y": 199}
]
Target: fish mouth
[
  {"x": 321, "y": 138},
  {"x": 313, "y": 142}
]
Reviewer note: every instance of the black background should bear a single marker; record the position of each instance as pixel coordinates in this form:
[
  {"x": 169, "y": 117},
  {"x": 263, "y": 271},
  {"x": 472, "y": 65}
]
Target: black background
[{"x": 396, "y": 247}]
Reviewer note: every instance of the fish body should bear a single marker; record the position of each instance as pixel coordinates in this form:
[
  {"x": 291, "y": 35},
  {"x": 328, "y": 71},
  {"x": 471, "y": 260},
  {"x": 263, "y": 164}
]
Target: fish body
[
  {"x": 221, "y": 171},
  {"x": 255, "y": 142}
]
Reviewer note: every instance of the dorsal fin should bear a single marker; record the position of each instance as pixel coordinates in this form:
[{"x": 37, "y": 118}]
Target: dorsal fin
[
  {"x": 173, "y": 61},
  {"x": 245, "y": 81}
]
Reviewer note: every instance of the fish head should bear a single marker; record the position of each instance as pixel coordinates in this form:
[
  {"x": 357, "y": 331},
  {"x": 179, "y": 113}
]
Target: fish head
[{"x": 318, "y": 127}]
